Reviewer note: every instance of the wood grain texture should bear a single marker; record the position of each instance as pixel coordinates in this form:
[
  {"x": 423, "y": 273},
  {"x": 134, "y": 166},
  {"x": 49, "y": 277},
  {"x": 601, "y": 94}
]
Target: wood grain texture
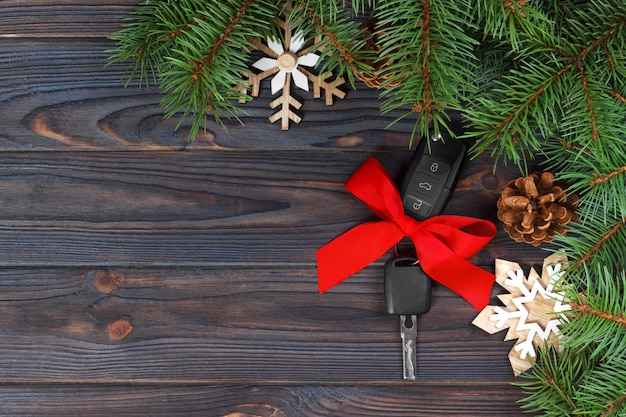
[
  {"x": 237, "y": 325},
  {"x": 141, "y": 274},
  {"x": 62, "y": 18},
  {"x": 197, "y": 208},
  {"x": 262, "y": 401},
  {"x": 56, "y": 94}
]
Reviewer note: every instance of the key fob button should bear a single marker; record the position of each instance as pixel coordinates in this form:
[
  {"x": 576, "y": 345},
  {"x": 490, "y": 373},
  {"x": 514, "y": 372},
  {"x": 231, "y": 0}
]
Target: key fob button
[
  {"x": 426, "y": 187},
  {"x": 433, "y": 167},
  {"x": 417, "y": 205},
  {"x": 431, "y": 177}
]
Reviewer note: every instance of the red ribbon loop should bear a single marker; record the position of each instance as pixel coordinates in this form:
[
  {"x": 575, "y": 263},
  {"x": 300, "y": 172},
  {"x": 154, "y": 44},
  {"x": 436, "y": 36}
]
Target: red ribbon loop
[{"x": 442, "y": 243}]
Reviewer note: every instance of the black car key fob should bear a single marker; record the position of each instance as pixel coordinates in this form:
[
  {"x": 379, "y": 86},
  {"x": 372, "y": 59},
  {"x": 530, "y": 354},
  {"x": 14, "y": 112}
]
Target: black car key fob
[
  {"x": 407, "y": 294},
  {"x": 407, "y": 287},
  {"x": 431, "y": 177}
]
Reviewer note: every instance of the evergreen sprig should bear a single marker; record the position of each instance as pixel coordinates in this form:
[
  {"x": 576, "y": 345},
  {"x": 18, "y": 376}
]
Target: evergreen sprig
[
  {"x": 551, "y": 387},
  {"x": 594, "y": 242},
  {"x": 594, "y": 168},
  {"x": 339, "y": 36},
  {"x": 588, "y": 378},
  {"x": 562, "y": 72},
  {"x": 198, "y": 51},
  {"x": 195, "y": 50},
  {"x": 429, "y": 59}
]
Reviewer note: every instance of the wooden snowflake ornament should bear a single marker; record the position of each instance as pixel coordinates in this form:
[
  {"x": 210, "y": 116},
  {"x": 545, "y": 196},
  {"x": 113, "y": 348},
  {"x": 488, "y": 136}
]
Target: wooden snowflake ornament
[
  {"x": 532, "y": 310},
  {"x": 286, "y": 62}
]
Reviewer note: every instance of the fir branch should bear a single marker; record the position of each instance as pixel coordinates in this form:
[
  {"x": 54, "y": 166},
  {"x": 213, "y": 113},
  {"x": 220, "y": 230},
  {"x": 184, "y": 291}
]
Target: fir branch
[
  {"x": 521, "y": 98},
  {"x": 138, "y": 42},
  {"x": 515, "y": 8},
  {"x": 591, "y": 242},
  {"x": 337, "y": 35},
  {"x": 601, "y": 179},
  {"x": 553, "y": 383},
  {"x": 550, "y": 386},
  {"x": 594, "y": 170},
  {"x": 612, "y": 232},
  {"x": 174, "y": 33},
  {"x": 614, "y": 405},
  {"x": 428, "y": 56},
  {"x": 341, "y": 49},
  {"x": 224, "y": 37},
  {"x": 584, "y": 308},
  {"x": 530, "y": 100},
  {"x": 426, "y": 104},
  {"x": 601, "y": 39},
  {"x": 601, "y": 391},
  {"x": 534, "y": 109},
  {"x": 343, "y": 52},
  {"x": 571, "y": 384},
  {"x": 618, "y": 96},
  {"x": 196, "y": 50},
  {"x": 599, "y": 294},
  {"x": 510, "y": 21},
  {"x": 588, "y": 377},
  {"x": 592, "y": 113}
]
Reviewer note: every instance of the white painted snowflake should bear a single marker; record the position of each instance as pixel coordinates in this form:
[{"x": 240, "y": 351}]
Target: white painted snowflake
[
  {"x": 287, "y": 61},
  {"x": 532, "y": 312}
]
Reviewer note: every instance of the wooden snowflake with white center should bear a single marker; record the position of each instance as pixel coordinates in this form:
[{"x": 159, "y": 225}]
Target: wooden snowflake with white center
[
  {"x": 286, "y": 62},
  {"x": 532, "y": 310}
]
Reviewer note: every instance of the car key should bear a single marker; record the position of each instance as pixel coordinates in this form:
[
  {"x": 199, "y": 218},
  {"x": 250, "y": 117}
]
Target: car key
[
  {"x": 407, "y": 294},
  {"x": 431, "y": 177},
  {"x": 426, "y": 189}
]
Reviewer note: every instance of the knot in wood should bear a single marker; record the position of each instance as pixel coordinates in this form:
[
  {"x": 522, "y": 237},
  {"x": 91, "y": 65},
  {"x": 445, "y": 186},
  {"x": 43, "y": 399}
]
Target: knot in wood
[
  {"x": 119, "y": 329},
  {"x": 105, "y": 281}
]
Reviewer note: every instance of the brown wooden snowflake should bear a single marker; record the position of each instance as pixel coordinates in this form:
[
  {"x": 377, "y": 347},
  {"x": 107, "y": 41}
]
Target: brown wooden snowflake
[
  {"x": 287, "y": 62},
  {"x": 532, "y": 311}
]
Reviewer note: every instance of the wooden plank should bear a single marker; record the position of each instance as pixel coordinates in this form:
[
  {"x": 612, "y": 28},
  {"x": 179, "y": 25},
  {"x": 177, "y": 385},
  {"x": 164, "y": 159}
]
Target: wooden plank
[
  {"x": 200, "y": 208},
  {"x": 148, "y": 283},
  {"x": 56, "y": 94},
  {"x": 405, "y": 400},
  {"x": 62, "y": 18},
  {"x": 235, "y": 325}
]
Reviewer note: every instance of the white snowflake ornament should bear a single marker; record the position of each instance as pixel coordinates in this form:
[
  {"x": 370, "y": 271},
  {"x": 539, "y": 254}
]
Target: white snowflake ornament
[
  {"x": 532, "y": 311},
  {"x": 287, "y": 61}
]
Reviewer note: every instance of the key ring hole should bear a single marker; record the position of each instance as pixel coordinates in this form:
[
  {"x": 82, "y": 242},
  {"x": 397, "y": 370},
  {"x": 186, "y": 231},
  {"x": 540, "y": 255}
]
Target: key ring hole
[
  {"x": 408, "y": 322},
  {"x": 405, "y": 262}
]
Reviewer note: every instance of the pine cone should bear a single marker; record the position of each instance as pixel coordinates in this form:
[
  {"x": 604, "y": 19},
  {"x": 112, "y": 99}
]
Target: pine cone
[
  {"x": 382, "y": 72},
  {"x": 534, "y": 209}
]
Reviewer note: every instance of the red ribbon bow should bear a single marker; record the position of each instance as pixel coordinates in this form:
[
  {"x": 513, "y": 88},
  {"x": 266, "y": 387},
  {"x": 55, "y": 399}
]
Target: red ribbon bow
[{"x": 442, "y": 243}]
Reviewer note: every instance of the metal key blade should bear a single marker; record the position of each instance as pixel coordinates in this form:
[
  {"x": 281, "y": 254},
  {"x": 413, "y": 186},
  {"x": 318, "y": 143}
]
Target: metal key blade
[{"x": 409, "y": 352}]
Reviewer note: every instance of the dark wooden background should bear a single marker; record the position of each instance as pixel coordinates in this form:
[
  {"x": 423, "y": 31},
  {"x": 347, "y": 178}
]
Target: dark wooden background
[{"x": 143, "y": 275}]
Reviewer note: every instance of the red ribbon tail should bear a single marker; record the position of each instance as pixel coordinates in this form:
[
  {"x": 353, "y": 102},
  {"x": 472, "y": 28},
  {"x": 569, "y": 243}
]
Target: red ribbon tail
[
  {"x": 445, "y": 266},
  {"x": 354, "y": 250},
  {"x": 445, "y": 243},
  {"x": 474, "y": 285}
]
